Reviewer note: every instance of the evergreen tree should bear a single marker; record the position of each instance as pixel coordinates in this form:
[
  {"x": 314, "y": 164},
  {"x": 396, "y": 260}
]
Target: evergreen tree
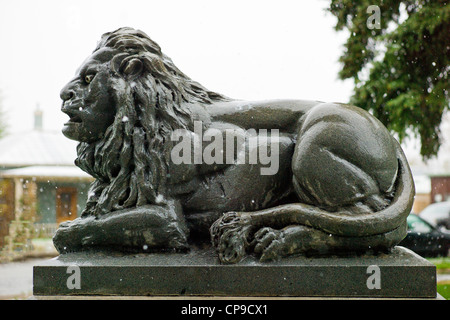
[{"x": 400, "y": 67}]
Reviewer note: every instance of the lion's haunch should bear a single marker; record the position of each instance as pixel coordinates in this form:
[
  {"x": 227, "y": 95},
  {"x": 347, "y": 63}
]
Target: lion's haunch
[{"x": 343, "y": 156}]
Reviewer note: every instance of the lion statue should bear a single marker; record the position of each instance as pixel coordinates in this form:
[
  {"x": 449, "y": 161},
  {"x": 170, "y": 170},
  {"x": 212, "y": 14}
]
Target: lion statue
[{"x": 338, "y": 182}]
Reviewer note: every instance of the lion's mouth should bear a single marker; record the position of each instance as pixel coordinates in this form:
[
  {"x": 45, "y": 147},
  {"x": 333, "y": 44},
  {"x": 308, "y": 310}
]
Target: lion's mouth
[
  {"x": 70, "y": 108},
  {"x": 74, "y": 119}
]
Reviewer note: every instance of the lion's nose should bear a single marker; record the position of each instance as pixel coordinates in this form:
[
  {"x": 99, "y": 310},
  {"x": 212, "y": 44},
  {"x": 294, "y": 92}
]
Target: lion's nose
[{"x": 66, "y": 93}]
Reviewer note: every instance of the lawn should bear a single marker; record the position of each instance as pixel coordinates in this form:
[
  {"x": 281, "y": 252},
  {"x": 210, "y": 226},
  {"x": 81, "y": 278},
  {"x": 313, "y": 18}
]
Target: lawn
[
  {"x": 441, "y": 262},
  {"x": 444, "y": 290},
  {"x": 442, "y": 265}
]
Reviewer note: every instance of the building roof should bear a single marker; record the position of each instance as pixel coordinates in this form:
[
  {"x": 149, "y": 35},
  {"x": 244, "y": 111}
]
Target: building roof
[
  {"x": 44, "y": 173},
  {"x": 39, "y": 155},
  {"x": 37, "y": 148}
]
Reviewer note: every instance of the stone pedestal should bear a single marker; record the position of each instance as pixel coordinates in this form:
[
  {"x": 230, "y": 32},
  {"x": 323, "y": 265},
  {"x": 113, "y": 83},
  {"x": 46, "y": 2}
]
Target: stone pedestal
[{"x": 399, "y": 274}]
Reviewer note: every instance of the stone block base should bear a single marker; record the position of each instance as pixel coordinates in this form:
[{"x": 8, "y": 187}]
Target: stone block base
[{"x": 399, "y": 274}]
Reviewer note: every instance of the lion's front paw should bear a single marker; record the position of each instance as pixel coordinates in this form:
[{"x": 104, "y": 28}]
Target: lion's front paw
[
  {"x": 229, "y": 234},
  {"x": 73, "y": 235},
  {"x": 66, "y": 238},
  {"x": 269, "y": 243}
]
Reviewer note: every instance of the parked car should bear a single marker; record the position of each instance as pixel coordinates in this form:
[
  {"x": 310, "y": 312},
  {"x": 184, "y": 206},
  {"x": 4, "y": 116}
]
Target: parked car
[
  {"x": 425, "y": 239},
  {"x": 438, "y": 214}
]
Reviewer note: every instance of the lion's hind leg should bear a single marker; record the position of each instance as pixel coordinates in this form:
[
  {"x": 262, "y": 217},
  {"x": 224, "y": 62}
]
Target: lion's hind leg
[
  {"x": 274, "y": 244},
  {"x": 287, "y": 229}
]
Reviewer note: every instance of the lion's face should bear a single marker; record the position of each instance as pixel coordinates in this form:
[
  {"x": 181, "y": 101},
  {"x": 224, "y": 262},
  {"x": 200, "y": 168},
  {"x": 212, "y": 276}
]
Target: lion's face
[{"x": 87, "y": 99}]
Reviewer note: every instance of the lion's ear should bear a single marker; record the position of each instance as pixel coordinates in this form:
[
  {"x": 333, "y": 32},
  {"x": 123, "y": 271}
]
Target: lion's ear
[{"x": 132, "y": 68}]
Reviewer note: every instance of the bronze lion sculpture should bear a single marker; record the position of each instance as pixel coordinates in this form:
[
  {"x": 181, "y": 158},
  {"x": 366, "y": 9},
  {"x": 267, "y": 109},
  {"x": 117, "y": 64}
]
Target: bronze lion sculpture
[{"x": 339, "y": 182}]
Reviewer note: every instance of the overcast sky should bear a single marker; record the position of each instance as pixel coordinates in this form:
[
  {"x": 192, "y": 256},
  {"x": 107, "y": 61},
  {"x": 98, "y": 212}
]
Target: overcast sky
[
  {"x": 244, "y": 49},
  {"x": 252, "y": 49}
]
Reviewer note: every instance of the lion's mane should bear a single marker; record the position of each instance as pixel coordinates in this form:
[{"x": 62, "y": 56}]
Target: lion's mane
[{"x": 130, "y": 163}]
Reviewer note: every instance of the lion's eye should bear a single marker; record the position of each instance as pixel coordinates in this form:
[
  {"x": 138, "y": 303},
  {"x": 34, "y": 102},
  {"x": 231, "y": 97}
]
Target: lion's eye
[{"x": 88, "y": 78}]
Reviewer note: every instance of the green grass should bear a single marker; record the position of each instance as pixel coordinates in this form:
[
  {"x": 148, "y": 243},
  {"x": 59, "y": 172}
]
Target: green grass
[
  {"x": 444, "y": 290},
  {"x": 442, "y": 263}
]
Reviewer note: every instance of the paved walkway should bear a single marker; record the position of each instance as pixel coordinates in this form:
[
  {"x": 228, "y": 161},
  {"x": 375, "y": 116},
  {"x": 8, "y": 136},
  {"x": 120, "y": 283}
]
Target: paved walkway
[
  {"x": 443, "y": 278},
  {"x": 16, "y": 279}
]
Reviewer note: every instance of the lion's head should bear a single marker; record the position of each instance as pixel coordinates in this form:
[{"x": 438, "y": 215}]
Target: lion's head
[{"x": 123, "y": 104}]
